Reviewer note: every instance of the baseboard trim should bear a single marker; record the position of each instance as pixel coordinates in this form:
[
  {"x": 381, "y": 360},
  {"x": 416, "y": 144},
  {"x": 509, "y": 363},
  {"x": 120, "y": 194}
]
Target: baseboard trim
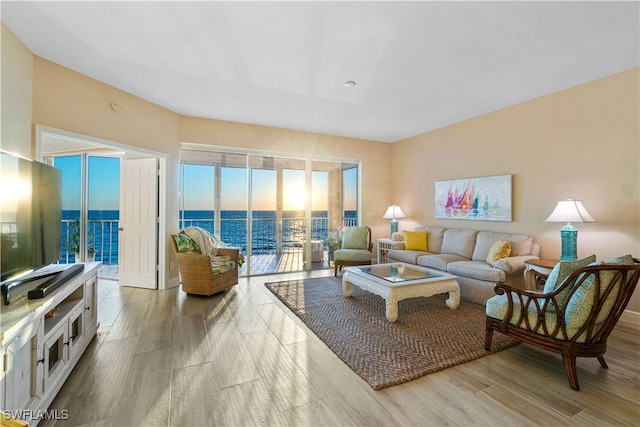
[
  {"x": 172, "y": 283},
  {"x": 632, "y": 317}
]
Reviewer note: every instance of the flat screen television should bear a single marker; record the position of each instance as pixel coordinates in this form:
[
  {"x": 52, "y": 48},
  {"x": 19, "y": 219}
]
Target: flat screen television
[{"x": 30, "y": 215}]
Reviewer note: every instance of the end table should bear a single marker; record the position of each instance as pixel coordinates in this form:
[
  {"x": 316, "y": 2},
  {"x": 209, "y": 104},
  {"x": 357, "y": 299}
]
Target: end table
[
  {"x": 383, "y": 247},
  {"x": 536, "y": 272}
]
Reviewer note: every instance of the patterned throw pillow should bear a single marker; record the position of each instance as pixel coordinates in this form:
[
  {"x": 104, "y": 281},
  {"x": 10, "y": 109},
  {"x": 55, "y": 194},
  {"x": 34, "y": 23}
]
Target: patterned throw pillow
[
  {"x": 222, "y": 264},
  {"x": 561, "y": 271},
  {"x": 500, "y": 249},
  {"x": 415, "y": 240},
  {"x": 185, "y": 243},
  {"x": 581, "y": 302}
]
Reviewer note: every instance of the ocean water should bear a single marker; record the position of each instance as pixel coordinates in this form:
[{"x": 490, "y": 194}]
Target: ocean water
[{"x": 103, "y": 229}]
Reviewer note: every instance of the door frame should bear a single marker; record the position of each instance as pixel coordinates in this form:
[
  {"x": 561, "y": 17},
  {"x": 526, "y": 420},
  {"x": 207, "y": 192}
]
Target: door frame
[{"x": 41, "y": 131}]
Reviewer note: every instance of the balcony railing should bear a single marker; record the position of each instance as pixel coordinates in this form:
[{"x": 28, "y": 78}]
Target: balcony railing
[
  {"x": 103, "y": 238},
  {"x": 264, "y": 232},
  {"x": 103, "y": 234}
]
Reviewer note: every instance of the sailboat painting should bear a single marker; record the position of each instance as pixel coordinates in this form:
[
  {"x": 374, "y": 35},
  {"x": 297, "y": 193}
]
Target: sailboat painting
[{"x": 485, "y": 198}]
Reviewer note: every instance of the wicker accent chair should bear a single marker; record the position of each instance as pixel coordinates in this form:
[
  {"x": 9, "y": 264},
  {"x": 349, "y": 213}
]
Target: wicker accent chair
[
  {"x": 356, "y": 248},
  {"x": 572, "y": 317},
  {"x": 197, "y": 275}
]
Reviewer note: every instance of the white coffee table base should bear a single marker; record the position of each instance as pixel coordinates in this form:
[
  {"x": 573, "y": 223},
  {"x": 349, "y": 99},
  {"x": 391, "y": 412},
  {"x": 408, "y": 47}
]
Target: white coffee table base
[{"x": 394, "y": 292}]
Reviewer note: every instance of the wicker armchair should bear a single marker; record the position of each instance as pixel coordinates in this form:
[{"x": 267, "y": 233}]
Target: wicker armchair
[
  {"x": 196, "y": 272},
  {"x": 574, "y": 319}
]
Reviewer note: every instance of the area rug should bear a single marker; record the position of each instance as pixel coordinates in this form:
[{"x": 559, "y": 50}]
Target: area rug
[{"x": 427, "y": 337}]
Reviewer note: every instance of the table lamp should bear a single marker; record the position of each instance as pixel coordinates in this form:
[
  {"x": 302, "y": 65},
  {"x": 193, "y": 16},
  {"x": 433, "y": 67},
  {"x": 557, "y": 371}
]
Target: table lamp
[
  {"x": 393, "y": 212},
  {"x": 569, "y": 211}
]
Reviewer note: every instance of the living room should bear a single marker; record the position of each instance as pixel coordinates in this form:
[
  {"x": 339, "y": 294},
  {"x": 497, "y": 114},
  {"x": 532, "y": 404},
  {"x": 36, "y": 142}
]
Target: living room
[{"x": 579, "y": 141}]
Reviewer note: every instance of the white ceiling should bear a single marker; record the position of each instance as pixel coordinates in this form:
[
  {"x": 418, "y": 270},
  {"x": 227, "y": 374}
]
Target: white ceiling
[{"x": 418, "y": 65}]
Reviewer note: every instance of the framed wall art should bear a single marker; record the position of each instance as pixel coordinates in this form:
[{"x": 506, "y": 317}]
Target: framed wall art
[{"x": 484, "y": 198}]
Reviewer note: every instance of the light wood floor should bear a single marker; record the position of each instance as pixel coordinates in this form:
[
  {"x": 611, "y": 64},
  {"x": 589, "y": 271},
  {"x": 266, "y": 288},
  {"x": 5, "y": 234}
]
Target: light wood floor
[{"x": 242, "y": 359}]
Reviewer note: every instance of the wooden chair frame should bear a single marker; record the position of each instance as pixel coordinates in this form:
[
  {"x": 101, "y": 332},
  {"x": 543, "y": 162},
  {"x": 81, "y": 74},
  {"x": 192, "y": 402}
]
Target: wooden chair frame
[{"x": 591, "y": 338}]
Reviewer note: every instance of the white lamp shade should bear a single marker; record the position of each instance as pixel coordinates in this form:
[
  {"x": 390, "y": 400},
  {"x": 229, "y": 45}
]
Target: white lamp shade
[
  {"x": 570, "y": 211},
  {"x": 393, "y": 212}
]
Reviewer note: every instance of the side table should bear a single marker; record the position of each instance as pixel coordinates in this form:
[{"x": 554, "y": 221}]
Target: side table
[
  {"x": 536, "y": 272},
  {"x": 383, "y": 247}
]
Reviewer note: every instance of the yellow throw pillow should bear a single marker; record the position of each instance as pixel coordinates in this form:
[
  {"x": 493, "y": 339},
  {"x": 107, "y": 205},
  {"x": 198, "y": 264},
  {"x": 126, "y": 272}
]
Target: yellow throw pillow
[
  {"x": 500, "y": 249},
  {"x": 415, "y": 240}
]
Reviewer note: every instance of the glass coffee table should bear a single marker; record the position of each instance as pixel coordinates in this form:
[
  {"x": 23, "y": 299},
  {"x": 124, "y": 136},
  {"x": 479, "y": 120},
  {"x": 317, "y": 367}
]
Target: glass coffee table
[{"x": 398, "y": 281}]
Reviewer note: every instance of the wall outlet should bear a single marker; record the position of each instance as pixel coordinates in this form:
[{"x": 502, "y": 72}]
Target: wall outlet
[
  {"x": 172, "y": 266},
  {"x": 369, "y": 215}
]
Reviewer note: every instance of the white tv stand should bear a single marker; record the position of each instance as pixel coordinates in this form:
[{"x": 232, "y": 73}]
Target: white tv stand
[{"x": 39, "y": 350}]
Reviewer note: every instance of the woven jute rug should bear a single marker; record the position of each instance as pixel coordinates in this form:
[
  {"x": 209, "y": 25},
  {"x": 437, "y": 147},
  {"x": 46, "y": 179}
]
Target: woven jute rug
[{"x": 428, "y": 336}]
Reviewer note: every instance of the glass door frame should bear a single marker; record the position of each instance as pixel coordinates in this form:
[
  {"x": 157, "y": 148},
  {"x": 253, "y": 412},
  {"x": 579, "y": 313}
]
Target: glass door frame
[{"x": 251, "y": 155}]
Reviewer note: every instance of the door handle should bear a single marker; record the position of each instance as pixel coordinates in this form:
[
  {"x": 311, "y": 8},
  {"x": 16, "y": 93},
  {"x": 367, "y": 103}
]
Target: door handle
[{"x": 120, "y": 228}]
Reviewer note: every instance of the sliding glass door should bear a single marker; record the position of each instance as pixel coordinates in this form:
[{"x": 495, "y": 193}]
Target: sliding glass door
[{"x": 278, "y": 210}]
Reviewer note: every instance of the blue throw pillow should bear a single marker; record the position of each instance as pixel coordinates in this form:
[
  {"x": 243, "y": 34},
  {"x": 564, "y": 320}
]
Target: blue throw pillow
[{"x": 561, "y": 271}]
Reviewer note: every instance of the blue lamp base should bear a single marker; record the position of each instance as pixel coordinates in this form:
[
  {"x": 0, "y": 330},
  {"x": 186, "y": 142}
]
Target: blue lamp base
[
  {"x": 394, "y": 226},
  {"x": 569, "y": 238}
]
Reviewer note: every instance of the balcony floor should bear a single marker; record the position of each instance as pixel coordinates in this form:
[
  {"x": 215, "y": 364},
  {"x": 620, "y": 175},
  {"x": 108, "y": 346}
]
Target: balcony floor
[{"x": 286, "y": 262}]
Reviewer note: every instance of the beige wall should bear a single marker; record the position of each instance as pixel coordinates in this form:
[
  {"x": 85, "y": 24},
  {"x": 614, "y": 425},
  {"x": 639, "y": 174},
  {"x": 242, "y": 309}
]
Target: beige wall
[
  {"x": 16, "y": 94},
  {"x": 66, "y": 100},
  {"x": 582, "y": 143}
]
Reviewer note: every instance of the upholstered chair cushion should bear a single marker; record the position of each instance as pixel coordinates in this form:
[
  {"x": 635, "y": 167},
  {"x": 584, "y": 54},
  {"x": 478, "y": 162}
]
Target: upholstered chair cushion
[
  {"x": 497, "y": 307},
  {"x": 500, "y": 249},
  {"x": 561, "y": 271},
  {"x": 353, "y": 255},
  {"x": 355, "y": 238},
  {"x": 415, "y": 240}
]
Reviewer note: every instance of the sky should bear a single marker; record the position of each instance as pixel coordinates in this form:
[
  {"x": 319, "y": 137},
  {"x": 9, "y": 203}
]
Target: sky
[
  {"x": 199, "y": 181},
  {"x": 104, "y": 182},
  {"x": 104, "y": 187}
]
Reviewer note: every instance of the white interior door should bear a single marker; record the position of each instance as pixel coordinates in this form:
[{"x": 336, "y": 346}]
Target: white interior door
[{"x": 138, "y": 223}]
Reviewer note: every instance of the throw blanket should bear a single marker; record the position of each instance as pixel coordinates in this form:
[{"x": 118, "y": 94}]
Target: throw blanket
[
  {"x": 203, "y": 239},
  {"x": 208, "y": 243}
]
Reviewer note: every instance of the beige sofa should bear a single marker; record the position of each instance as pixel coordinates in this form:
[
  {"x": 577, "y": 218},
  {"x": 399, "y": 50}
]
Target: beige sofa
[{"x": 463, "y": 252}]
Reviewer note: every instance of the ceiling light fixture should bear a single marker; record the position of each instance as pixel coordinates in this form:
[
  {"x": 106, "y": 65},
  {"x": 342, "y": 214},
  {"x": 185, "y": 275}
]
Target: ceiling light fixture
[{"x": 349, "y": 83}]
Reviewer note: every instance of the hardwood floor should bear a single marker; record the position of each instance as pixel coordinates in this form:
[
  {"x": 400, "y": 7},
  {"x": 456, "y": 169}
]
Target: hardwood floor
[{"x": 242, "y": 359}]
